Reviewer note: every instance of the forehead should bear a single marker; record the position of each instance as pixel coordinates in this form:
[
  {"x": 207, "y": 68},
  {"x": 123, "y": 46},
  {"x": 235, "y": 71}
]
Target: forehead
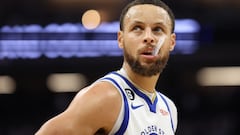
[{"x": 147, "y": 13}]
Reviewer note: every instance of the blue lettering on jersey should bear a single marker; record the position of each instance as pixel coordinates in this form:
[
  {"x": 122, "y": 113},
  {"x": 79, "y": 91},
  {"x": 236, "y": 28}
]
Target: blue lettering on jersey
[{"x": 152, "y": 130}]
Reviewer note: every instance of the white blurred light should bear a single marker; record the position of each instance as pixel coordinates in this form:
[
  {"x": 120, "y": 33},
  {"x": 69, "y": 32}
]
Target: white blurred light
[
  {"x": 219, "y": 76},
  {"x": 7, "y": 85},
  {"x": 91, "y": 19},
  {"x": 66, "y": 82}
]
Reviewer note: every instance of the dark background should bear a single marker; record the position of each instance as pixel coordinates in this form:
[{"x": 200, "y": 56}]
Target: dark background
[{"x": 202, "y": 110}]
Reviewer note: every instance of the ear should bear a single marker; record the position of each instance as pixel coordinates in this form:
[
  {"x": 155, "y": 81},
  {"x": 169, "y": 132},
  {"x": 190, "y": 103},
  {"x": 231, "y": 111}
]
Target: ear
[
  {"x": 120, "y": 39},
  {"x": 172, "y": 41}
]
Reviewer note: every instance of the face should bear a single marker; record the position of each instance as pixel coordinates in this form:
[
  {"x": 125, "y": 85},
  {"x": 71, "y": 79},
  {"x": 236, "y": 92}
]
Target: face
[{"x": 144, "y": 25}]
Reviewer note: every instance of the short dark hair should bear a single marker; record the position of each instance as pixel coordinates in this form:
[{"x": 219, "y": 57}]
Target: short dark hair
[{"x": 153, "y": 2}]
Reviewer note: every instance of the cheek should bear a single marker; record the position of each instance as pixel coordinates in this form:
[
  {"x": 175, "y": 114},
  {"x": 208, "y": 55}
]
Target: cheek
[
  {"x": 165, "y": 49},
  {"x": 130, "y": 46},
  {"x": 168, "y": 45}
]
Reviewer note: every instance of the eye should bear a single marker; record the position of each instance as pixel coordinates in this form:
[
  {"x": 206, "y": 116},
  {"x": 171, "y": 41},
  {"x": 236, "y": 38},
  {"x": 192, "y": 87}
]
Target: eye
[
  {"x": 137, "y": 28},
  {"x": 158, "y": 29}
]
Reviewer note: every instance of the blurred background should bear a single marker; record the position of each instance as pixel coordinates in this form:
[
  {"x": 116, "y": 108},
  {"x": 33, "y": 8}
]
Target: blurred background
[{"x": 50, "y": 49}]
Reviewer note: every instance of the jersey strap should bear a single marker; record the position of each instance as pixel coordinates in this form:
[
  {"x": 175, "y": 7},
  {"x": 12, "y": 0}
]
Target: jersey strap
[
  {"x": 124, "y": 124},
  {"x": 165, "y": 101}
]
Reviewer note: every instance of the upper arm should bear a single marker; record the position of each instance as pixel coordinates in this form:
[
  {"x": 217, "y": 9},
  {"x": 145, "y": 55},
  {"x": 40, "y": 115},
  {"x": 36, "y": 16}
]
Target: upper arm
[{"x": 92, "y": 108}]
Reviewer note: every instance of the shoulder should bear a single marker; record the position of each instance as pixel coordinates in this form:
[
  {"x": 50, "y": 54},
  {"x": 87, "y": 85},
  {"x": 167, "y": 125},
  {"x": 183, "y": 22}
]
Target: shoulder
[
  {"x": 94, "y": 107},
  {"x": 100, "y": 91},
  {"x": 97, "y": 104},
  {"x": 99, "y": 94}
]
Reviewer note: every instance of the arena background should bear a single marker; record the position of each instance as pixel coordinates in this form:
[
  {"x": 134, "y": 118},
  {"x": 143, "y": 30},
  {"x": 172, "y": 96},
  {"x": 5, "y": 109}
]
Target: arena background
[{"x": 31, "y": 60}]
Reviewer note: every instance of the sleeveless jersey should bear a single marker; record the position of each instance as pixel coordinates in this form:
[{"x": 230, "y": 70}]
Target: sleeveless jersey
[{"x": 138, "y": 114}]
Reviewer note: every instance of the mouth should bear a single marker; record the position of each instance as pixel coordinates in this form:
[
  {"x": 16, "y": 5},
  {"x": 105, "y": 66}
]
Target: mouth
[{"x": 148, "y": 55}]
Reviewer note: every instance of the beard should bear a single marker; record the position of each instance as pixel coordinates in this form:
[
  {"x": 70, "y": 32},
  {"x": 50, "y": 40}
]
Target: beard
[{"x": 148, "y": 70}]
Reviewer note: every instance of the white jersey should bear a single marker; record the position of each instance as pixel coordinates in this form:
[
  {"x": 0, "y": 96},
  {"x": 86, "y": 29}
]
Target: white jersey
[{"x": 139, "y": 115}]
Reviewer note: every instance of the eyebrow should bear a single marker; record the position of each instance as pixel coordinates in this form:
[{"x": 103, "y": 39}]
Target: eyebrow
[
  {"x": 161, "y": 23},
  {"x": 134, "y": 22},
  {"x": 157, "y": 23},
  {"x": 137, "y": 22}
]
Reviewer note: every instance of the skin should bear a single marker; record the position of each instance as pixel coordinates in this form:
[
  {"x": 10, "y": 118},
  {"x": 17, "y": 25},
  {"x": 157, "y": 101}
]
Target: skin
[
  {"x": 94, "y": 109},
  {"x": 143, "y": 25}
]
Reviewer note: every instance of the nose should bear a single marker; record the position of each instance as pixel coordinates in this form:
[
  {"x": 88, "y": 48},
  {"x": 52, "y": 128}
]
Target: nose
[{"x": 148, "y": 37}]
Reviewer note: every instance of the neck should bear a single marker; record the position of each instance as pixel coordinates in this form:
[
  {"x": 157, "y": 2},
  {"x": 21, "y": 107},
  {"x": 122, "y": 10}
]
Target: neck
[{"x": 144, "y": 82}]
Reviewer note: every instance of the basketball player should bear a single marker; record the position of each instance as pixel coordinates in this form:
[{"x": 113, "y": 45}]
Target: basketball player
[{"x": 125, "y": 102}]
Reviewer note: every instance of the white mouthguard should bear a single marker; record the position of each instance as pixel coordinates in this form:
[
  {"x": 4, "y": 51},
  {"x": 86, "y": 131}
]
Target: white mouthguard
[{"x": 159, "y": 45}]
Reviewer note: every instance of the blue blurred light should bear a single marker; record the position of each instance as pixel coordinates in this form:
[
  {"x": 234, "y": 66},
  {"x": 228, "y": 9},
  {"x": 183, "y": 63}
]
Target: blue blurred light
[
  {"x": 187, "y": 26},
  {"x": 32, "y": 28},
  {"x": 73, "y": 40}
]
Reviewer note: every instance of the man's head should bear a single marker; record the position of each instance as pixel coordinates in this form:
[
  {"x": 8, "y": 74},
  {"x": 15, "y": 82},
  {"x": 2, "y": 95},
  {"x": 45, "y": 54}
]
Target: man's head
[
  {"x": 153, "y": 2},
  {"x": 143, "y": 25}
]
